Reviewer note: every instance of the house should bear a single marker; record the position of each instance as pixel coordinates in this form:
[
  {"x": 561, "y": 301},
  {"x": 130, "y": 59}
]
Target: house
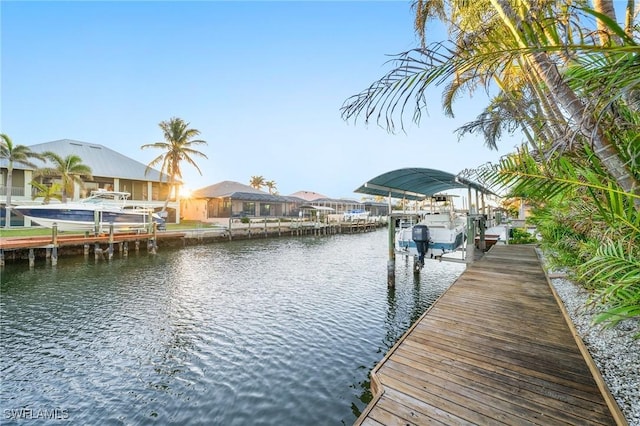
[
  {"x": 110, "y": 169},
  {"x": 229, "y": 199},
  {"x": 376, "y": 208}
]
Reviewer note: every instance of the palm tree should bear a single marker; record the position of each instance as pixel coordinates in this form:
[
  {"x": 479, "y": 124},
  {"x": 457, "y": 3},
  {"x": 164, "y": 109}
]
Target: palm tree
[
  {"x": 516, "y": 48},
  {"x": 47, "y": 192},
  {"x": 14, "y": 153},
  {"x": 257, "y": 182},
  {"x": 271, "y": 185},
  {"x": 178, "y": 147},
  {"x": 69, "y": 169}
]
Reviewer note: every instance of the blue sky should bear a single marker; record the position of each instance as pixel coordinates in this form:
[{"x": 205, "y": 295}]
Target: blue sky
[{"x": 263, "y": 82}]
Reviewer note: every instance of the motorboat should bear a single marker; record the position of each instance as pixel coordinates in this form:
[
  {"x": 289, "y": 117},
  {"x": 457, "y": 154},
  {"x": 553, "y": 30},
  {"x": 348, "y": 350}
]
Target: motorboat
[
  {"x": 429, "y": 234},
  {"x": 95, "y": 213},
  {"x": 356, "y": 214}
]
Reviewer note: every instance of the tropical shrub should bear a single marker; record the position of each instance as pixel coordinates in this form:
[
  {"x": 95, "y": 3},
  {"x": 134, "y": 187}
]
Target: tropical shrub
[{"x": 521, "y": 236}]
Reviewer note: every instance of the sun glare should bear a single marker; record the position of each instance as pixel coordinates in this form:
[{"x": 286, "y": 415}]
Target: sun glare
[{"x": 185, "y": 192}]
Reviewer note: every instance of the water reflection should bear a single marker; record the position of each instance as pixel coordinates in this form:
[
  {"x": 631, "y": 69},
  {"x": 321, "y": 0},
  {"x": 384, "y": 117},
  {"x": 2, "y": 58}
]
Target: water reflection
[{"x": 280, "y": 331}]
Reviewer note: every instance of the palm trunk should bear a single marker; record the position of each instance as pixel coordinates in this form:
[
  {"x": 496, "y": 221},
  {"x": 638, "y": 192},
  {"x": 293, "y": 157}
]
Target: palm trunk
[
  {"x": 628, "y": 17},
  {"x": 579, "y": 117},
  {"x": 586, "y": 125},
  {"x": 606, "y": 8},
  {"x": 547, "y": 129},
  {"x": 166, "y": 201}
]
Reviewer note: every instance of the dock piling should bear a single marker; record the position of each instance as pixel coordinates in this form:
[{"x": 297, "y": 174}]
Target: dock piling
[
  {"x": 110, "y": 249},
  {"x": 151, "y": 244},
  {"x": 97, "y": 251},
  {"x": 391, "y": 264},
  {"x": 54, "y": 244}
]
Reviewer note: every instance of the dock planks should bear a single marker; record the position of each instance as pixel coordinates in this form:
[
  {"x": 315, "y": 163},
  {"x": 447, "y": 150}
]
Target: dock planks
[{"x": 496, "y": 348}]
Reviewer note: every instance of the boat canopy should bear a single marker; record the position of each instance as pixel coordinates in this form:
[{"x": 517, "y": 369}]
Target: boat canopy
[
  {"x": 416, "y": 184},
  {"x": 319, "y": 208}
]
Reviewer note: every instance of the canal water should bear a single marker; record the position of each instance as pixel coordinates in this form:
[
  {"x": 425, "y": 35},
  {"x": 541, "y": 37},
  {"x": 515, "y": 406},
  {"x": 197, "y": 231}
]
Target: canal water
[{"x": 260, "y": 332}]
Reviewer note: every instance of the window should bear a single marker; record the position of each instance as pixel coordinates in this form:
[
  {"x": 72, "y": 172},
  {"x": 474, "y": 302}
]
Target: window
[
  {"x": 248, "y": 208},
  {"x": 265, "y": 209}
]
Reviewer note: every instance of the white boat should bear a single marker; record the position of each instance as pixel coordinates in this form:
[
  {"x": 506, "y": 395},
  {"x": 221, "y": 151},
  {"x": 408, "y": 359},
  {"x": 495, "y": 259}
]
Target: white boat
[
  {"x": 446, "y": 233},
  {"x": 95, "y": 213},
  {"x": 356, "y": 214}
]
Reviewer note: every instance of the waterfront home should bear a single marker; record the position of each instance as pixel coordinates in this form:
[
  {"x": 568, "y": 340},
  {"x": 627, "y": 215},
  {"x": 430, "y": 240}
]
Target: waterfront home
[
  {"x": 229, "y": 199},
  {"x": 110, "y": 170},
  {"x": 342, "y": 205},
  {"x": 335, "y": 205},
  {"x": 376, "y": 208}
]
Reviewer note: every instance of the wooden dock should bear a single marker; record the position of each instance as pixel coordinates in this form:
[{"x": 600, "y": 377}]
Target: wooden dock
[
  {"x": 77, "y": 239},
  {"x": 47, "y": 246},
  {"x": 496, "y": 348}
]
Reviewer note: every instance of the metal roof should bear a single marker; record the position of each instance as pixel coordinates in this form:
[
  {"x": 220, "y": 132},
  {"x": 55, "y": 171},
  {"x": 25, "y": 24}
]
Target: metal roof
[
  {"x": 237, "y": 191},
  {"x": 415, "y": 183},
  {"x": 319, "y": 208},
  {"x": 104, "y": 162}
]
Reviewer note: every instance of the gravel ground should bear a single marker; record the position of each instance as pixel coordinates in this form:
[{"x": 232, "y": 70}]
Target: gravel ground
[{"x": 614, "y": 351}]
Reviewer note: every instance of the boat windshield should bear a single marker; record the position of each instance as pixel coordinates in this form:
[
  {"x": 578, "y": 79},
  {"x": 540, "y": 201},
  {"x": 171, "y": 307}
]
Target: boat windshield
[{"x": 107, "y": 197}]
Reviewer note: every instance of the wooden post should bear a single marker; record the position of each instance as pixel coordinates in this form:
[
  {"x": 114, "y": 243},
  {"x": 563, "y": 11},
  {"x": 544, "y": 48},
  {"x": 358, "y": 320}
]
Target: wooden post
[
  {"x": 471, "y": 239},
  {"x": 110, "y": 249},
  {"x": 32, "y": 258},
  {"x": 391, "y": 263},
  {"x": 96, "y": 222},
  {"x": 86, "y": 244},
  {"x": 230, "y": 228},
  {"x": 54, "y": 242},
  {"x": 481, "y": 227},
  {"x": 1, "y": 258},
  {"x": 507, "y": 230},
  {"x": 54, "y": 234},
  {"x": 125, "y": 249},
  {"x": 152, "y": 247}
]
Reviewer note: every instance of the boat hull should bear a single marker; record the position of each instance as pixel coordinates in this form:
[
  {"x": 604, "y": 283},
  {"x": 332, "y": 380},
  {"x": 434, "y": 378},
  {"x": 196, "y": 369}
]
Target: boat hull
[
  {"x": 86, "y": 220},
  {"x": 442, "y": 241}
]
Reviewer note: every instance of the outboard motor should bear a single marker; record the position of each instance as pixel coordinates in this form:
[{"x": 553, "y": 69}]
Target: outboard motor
[{"x": 420, "y": 235}]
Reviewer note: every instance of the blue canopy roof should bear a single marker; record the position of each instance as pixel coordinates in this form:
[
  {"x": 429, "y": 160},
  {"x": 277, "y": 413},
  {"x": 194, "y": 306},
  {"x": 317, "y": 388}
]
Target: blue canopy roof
[{"x": 415, "y": 183}]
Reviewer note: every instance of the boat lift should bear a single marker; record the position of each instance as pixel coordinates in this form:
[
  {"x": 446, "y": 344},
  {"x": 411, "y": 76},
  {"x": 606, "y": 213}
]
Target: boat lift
[{"x": 417, "y": 184}]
